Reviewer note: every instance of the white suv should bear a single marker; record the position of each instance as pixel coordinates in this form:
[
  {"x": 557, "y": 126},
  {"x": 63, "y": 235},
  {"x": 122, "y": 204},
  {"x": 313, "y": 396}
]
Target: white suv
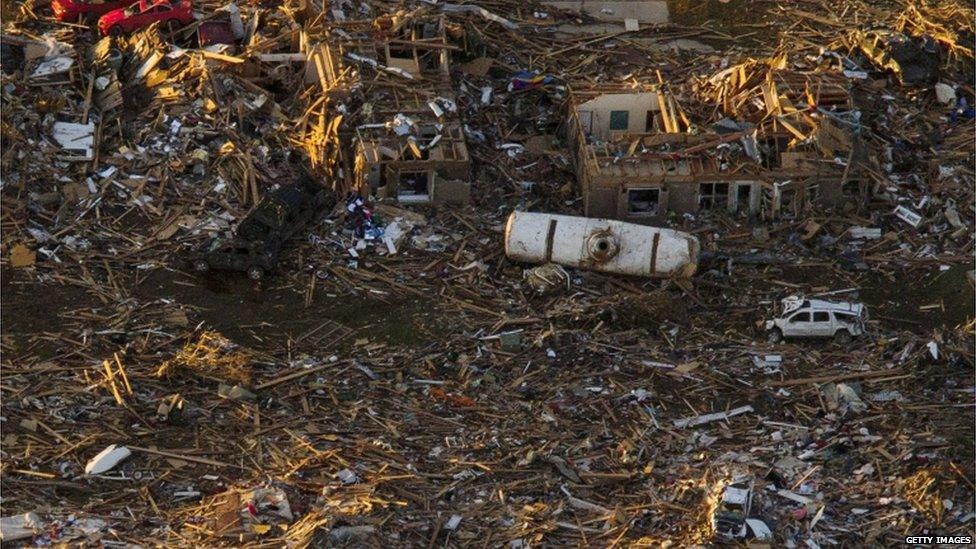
[{"x": 801, "y": 317}]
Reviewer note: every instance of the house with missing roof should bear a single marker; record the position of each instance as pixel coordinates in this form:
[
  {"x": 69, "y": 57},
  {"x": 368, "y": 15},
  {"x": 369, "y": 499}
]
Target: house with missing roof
[
  {"x": 407, "y": 141},
  {"x": 783, "y": 144}
]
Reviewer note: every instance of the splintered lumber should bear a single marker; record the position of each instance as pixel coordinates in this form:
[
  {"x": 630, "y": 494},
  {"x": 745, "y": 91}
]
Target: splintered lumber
[
  {"x": 836, "y": 377},
  {"x": 708, "y": 418}
]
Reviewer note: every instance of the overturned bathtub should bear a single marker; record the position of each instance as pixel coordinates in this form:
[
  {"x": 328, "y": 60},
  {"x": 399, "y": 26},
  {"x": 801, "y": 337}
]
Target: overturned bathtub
[{"x": 600, "y": 244}]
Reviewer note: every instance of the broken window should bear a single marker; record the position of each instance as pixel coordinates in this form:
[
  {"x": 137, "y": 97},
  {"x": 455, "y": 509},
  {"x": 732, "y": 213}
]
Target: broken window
[
  {"x": 769, "y": 206},
  {"x": 413, "y": 185},
  {"x": 800, "y": 317},
  {"x": 743, "y": 193},
  {"x": 649, "y": 122},
  {"x": 586, "y": 121},
  {"x": 643, "y": 201},
  {"x": 400, "y": 53},
  {"x": 813, "y": 193},
  {"x": 821, "y": 316},
  {"x": 845, "y": 318},
  {"x": 428, "y": 61},
  {"x": 787, "y": 201},
  {"x": 712, "y": 195},
  {"x": 619, "y": 120},
  {"x": 403, "y": 58}
]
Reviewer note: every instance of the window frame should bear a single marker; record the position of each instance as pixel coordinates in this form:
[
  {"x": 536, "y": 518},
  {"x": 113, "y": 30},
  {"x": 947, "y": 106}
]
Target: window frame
[
  {"x": 626, "y": 120},
  {"x": 812, "y": 193},
  {"x": 427, "y": 175},
  {"x": 656, "y": 211},
  {"x": 845, "y": 317},
  {"x": 710, "y": 199},
  {"x": 796, "y": 317},
  {"x": 649, "y": 121}
]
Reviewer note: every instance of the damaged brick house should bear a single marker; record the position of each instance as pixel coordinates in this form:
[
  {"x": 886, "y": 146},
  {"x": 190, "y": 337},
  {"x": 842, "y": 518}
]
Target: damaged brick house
[
  {"x": 784, "y": 142},
  {"x": 388, "y": 82}
]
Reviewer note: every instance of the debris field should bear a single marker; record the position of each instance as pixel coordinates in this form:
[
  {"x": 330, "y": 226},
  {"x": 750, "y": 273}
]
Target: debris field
[{"x": 340, "y": 274}]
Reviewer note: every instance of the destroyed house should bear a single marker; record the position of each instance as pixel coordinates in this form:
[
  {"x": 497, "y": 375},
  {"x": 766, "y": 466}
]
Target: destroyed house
[
  {"x": 402, "y": 132},
  {"x": 418, "y": 157},
  {"x": 414, "y": 51},
  {"x": 807, "y": 131},
  {"x": 638, "y": 156},
  {"x": 635, "y": 159},
  {"x": 607, "y": 16}
]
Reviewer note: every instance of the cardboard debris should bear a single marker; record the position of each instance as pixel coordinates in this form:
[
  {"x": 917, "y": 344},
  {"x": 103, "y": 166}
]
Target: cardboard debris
[{"x": 22, "y": 256}]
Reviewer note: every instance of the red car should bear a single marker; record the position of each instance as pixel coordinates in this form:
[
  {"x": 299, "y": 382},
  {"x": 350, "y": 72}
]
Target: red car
[
  {"x": 144, "y": 13},
  {"x": 70, "y": 10}
]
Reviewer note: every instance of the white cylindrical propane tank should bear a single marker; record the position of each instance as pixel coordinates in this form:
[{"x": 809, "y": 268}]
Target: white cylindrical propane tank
[{"x": 600, "y": 244}]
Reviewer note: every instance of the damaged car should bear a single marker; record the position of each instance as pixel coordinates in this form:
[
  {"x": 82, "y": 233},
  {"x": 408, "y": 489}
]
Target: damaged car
[
  {"x": 800, "y": 317},
  {"x": 263, "y": 233},
  {"x": 284, "y": 211},
  {"x": 256, "y": 258}
]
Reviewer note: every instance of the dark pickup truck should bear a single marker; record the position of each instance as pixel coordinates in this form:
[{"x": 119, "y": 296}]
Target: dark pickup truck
[
  {"x": 263, "y": 233},
  {"x": 284, "y": 211},
  {"x": 255, "y": 257}
]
